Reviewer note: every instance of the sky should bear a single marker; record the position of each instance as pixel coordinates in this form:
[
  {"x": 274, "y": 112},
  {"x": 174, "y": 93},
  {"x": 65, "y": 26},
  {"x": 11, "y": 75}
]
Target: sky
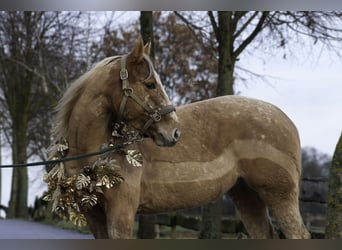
[{"x": 307, "y": 87}]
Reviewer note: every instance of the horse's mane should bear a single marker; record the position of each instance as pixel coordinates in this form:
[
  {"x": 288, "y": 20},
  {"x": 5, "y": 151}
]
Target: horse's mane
[{"x": 67, "y": 102}]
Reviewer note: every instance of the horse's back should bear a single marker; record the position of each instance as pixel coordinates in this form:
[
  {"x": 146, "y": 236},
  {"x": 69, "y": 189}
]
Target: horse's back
[{"x": 209, "y": 127}]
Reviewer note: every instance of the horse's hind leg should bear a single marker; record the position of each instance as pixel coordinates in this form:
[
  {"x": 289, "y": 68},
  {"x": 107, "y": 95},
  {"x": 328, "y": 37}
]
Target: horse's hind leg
[
  {"x": 287, "y": 214},
  {"x": 252, "y": 210},
  {"x": 289, "y": 219},
  {"x": 278, "y": 187}
]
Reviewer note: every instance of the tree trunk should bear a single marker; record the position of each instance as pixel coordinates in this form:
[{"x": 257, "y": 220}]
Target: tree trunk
[
  {"x": 146, "y": 229},
  {"x": 146, "y": 28},
  {"x": 212, "y": 212},
  {"x": 18, "y": 200},
  {"x": 333, "y": 229},
  {"x": 18, "y": 95},
  {"x": 226, "y": 61}
]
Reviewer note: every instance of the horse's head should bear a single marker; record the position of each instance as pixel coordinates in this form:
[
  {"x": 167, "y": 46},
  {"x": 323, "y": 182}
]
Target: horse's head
[{"x": 144, "y": 102}]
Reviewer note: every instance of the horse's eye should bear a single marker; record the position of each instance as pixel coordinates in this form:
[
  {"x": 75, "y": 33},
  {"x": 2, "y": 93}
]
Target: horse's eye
[{"x": 150, "y": 85}]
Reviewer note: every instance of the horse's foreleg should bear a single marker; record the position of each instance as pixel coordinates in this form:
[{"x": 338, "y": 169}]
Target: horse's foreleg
[
  {"x": 120, "y": 211},
  {"x": 120, "y": 223},
  {"x": 96, "y": 219}
]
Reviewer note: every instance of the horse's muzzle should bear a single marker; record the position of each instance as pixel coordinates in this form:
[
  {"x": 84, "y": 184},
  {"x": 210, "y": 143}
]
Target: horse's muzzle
[{"x": 167, "y": 139}]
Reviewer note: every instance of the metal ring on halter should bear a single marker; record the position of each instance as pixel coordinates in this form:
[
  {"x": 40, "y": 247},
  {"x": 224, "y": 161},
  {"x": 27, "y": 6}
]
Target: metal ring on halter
[
  {"x": 128, "y": 92},
  {"x": 156, "y": 116}
]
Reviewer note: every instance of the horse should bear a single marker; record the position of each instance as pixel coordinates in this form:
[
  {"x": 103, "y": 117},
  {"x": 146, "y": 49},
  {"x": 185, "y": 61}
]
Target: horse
[
  {"x": 237, "y": 145},
  {"x": 98, "y": 107},
  {"x": 241, "y": 146}
]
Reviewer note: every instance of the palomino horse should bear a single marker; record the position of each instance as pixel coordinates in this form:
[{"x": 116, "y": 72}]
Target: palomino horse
[{"x": 238, "y": 145}]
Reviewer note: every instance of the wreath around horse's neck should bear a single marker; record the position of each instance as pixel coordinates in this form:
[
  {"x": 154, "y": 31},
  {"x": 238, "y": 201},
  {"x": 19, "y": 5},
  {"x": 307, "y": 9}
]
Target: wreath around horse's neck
[{"x": 72, "y": 195}]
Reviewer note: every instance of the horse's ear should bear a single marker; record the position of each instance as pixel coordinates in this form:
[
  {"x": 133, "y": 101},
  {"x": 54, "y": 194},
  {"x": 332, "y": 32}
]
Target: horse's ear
[
  {"x": 147, "y": 47},
  {"x": 137, "y": 54}
]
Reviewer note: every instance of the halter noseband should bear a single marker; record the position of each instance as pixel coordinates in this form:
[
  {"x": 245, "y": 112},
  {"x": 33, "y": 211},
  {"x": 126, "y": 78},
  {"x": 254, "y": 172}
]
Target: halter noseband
[{"x": 154, "y": 114}]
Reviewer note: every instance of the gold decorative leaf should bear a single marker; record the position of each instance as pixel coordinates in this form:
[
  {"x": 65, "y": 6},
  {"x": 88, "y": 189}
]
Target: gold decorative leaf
[
  {"x": 117, "y": 179},
  {"x": 46, "y": 178},
  {"x": 47, "y": 197},
  {"x": 62, "y": 147},
  {"x": 77, "y": 218},
  {"x": 109, "y": 182},
  {"x": 134, "y": 158},
  {"x": 89, "y": 200},
  {"x": 104, "y": 181},
  {"x": 58, "y": 209},
  {"x": 56, "y": 172},
  {"x": 82, "y": 181}
]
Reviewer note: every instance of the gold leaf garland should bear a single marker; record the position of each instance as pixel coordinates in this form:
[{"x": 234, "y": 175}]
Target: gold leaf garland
[{"x": 73, "y": 195}]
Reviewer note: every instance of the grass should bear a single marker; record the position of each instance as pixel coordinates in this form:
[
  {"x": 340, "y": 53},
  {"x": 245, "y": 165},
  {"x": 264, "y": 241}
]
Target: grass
[{"x": 66, "y": 225}]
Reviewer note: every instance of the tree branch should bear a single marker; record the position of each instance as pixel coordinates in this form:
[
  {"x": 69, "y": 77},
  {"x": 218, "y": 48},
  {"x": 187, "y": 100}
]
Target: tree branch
[
  {"x": 189, "y": 24},
  {"x": 245, "y": 25},
  {"x": 214, "y": 25},
  {"x": 193, "y": 29},
  {"x": 251, "y": 37},
  {"x": 28, "y": 68}
]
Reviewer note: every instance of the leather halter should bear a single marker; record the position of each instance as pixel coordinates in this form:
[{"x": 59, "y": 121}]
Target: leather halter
[{"x": 154, "y": 114}]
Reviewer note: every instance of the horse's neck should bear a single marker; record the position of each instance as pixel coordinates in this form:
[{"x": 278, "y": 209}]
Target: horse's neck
[{"x": 88, "y": 130}]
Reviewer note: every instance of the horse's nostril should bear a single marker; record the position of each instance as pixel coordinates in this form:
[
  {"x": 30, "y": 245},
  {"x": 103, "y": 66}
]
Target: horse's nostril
[{"x": 176, "y": 134}]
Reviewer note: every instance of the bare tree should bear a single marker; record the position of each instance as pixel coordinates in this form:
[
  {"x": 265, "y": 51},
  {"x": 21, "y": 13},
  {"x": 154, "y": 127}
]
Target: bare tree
[
  {"x": 37, "y": 57},
  {"x": 17, "y": 45}
]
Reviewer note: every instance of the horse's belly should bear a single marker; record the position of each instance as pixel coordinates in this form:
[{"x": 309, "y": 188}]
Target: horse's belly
[{"x": 170, "y": 186}]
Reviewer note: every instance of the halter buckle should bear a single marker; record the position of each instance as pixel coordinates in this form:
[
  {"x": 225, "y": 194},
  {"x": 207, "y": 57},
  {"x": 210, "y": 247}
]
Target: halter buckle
[
  {"x": 123, "y": 74},
  {"x": 156, "y": 116}
]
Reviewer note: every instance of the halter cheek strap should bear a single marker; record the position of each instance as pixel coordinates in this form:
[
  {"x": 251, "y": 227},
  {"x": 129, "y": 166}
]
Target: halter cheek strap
[{"x": 154, "y": 114}]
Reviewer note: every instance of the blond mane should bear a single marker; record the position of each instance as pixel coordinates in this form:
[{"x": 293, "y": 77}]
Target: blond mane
[{"x": 67, "y": 102}]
